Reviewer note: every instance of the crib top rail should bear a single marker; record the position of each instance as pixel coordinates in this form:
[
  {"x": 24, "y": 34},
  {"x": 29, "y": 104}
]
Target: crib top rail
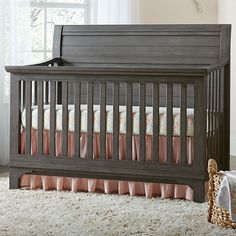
[{"x": 51, "y": 67}]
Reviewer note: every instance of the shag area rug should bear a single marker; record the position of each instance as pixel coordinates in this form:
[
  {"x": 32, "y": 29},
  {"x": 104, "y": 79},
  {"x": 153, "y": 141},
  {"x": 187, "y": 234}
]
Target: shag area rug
[{"x": 37, "y": 212}]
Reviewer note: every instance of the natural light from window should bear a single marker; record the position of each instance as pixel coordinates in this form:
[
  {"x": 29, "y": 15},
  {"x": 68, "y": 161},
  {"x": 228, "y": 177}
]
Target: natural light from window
[{"x": 47, "y": 13}]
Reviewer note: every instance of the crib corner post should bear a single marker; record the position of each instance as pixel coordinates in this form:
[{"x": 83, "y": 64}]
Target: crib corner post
[
  {"x": 15, "y": 177},
  {"x": 199, "y": 191},
  {"x": 15, "y": 116},
  {"x": 226, "y": 160}
]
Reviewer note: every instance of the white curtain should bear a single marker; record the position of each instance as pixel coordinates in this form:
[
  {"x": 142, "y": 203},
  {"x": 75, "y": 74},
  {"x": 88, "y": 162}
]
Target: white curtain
[
  {"x": 114, "y": 11},
  {"x": 15, "y": 47}
]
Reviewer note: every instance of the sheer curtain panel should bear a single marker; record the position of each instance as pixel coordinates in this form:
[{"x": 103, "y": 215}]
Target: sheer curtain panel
[
  {"x": 16, "y": 41},
  {"x": 15, "y": 48},
  {"x": 114, "y": 11}
]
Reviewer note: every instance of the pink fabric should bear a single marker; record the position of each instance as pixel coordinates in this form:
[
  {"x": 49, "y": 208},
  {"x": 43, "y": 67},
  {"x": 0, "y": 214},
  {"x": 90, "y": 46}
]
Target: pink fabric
[{"x": 108, "y": 186}]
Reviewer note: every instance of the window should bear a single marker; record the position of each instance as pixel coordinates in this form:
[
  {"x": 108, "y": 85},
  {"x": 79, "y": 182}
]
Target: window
[{"x": 47, "y": 13}]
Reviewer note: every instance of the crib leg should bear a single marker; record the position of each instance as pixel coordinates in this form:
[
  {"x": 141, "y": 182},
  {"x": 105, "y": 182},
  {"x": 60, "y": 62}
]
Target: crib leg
[
  {"x": 199, "y": 191},
  {"x": 14, "y": 177}
]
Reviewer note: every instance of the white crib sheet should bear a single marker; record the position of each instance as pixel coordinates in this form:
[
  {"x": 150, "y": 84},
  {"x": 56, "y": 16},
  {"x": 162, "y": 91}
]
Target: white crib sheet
[{"x": 122, "y": 110}]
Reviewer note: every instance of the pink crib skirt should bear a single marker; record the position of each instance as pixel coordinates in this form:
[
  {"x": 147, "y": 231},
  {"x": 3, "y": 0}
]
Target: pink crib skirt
[{"x": 108, "y": 186}]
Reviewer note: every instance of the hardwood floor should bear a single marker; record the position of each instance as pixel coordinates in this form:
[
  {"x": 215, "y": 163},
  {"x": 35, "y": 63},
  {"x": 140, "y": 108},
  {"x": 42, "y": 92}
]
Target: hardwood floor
[{"x": 4, "y": 170}]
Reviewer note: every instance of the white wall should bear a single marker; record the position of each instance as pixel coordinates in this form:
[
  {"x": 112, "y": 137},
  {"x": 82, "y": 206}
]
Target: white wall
[
  {"x": 227, "y": 15},
  {"x": 178, "y": 11},
  {"x": 187, "y": 12}
]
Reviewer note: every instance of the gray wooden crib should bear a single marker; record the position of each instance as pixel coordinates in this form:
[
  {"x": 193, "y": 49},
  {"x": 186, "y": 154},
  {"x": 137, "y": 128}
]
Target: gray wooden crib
[{"x": 172, "y": 66}]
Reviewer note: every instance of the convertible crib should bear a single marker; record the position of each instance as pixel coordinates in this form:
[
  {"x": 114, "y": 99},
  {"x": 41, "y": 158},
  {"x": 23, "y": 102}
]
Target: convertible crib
[{"x": 142, "y": 103}]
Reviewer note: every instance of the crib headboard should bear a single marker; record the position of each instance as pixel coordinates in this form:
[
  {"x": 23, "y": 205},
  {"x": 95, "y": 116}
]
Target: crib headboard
[{"x": 141, "y": 44}]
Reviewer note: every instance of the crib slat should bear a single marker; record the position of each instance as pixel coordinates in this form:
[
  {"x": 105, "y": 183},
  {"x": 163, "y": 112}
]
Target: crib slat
[
  {"x": 142, "y": 121},
  {"x": 28, "y": 116},
  {"x": 52, "y": 117},
  {"x": 129, "y": 121},
  {"x": 77, "y": 102},
  {"x": 212, "y": 112},
  {"x": 169, "y": 122},
  {"x": 218, "y": 115},
  {"x": 209, "y": 116},
  {"x": 64, "y": 118},
  {"x": 116, "y": 115},
  {"x": 103, "y": 121},
  {"x": 222, "y": 114},
  {"x": 35, "y": 92},
  {"x": 59, "y": 92},
  {"x": 40, "y": 117},
  {"x": 156, "y": 120},
  {"x": 183, "y": 124},
  {"x": 23, "y": 92},
  {"x": 215, "y": 116},
  {"x": 46, "y": 92},
  {"x": 90, "y": 120}
]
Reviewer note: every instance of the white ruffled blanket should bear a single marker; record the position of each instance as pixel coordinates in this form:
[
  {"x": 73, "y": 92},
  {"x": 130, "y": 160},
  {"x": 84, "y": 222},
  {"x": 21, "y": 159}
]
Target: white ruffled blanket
[{"x": 226, "y": 197}]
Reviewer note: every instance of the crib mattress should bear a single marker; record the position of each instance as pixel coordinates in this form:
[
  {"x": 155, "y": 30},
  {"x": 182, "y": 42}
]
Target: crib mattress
[{"x": 109, "y": 125}]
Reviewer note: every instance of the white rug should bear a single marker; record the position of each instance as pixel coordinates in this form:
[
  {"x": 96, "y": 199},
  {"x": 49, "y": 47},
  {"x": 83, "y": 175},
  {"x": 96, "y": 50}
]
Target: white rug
[{"x": 28, "y": 212}]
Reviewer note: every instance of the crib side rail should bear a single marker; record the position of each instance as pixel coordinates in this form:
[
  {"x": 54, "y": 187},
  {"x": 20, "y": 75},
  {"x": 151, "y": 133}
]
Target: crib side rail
[
  {"x": 26, "y": 81},
  {"x": 218, "y": 115}
]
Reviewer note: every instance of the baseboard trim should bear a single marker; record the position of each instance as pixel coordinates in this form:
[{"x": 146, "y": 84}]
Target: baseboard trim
[{"x": 232, "y": 145}]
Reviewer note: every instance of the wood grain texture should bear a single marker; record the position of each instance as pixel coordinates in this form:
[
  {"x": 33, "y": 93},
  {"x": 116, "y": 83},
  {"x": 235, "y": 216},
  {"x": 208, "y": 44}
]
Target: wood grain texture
[
  {"x": 142, "y": 122},
  {"x": 221, "y": 108},
  {"x": 64, "y": 118},
  {"x": 169, "y": 123},
  {"x": 28, "y": 117},
  {"x": 111, "y": 169},
  {"x": 15, "y": 116},
  {"x": 209, "y": 116},
  {"x": 214, "y": 117},
  {"x": 124, "y": 56},
  {"x": 77, "y": 103},
  {"x": 135, "y": 91},
  {"x": 40, "y": 117},
  {"x": 35, "y": 85},
  {"x": 116, "y": 122},
  {"x": 183, "y": 124},
  {"x": 200, "y": 122},
  {"x": 52, "y": 117},
  {"x": 103, "y": 121},
  {"x": 218, "y": 95},
  {"x": 90, "y": 120},
  {"x": 133, "y": 44},
  {"x": 156, "y": 122},
  {"x": 57, "y": 38},
  {"x": 46, "y": 92},
  {"x": 129, "y": 121},
  {"x": 226, "y": 162},
  {"x": 140, "y": 41},
  {"x": 212, "y": 113}
]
